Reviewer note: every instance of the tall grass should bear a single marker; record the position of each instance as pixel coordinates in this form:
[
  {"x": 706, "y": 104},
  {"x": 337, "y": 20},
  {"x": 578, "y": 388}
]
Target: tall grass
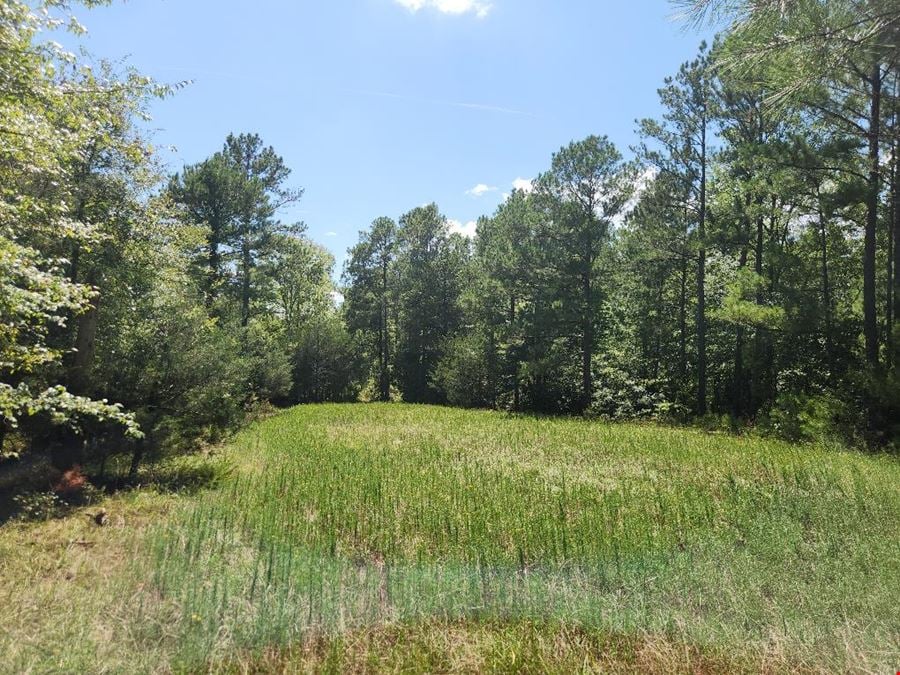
[{"x": 345, "y": 517}]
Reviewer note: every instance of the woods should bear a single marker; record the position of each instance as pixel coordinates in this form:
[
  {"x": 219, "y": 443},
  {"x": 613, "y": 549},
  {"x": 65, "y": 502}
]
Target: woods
[
  {"x": 735, "y": 267},
  {"x": 740, "y": 269},
  {"x": 140, "y": 311}
]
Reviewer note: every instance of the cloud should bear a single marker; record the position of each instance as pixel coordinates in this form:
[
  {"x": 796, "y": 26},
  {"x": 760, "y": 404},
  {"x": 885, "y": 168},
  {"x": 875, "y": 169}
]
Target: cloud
[
  {"x": 641, "y": 183},
  {"x": 479, "y": 8},
  {"x": 523, "y": 184},
  {"x": 468, "y": 230},
  {"x": 332, "y": 233},
  {"x": 480, "y": 190}
]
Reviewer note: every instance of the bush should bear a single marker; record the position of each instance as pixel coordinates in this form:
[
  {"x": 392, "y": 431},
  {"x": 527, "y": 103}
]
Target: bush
[
  {"x": 879, "y": 402},
  {"x": 328, "y": 364},
  {"x": 181, "y": 372},
  {"x": 864, "y": 412},
  {"x": 267, "y": 359},
  {"x": 802, "y": 417},
  {"x": 621, "y": 396},
  {"x": 465, "y": 375},
  {"x": 552, "y": 384},
  {"x": 35, "y": 506}
]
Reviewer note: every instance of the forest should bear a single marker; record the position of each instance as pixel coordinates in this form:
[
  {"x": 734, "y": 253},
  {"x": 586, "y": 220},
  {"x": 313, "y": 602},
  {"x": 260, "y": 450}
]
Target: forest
[
  {"x": 738, "y": 270},
  {"x": 736, "y": 267}
]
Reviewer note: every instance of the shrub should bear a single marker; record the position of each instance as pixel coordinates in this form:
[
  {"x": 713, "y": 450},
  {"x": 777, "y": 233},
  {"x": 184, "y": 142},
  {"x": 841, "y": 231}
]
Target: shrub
[
  {"x": 327, "y": 363},
  {"x": 34, "y": 506},
  {"x": 465, "y": 374},
  {"x": 621, "y": 396},
  {"x": 802, "y": 417}
]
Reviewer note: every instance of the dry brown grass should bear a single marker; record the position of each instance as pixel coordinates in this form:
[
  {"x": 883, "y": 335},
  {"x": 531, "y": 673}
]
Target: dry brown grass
[
  {"x": 495, "y": 647},
  {"x": 60, "y": 584}
]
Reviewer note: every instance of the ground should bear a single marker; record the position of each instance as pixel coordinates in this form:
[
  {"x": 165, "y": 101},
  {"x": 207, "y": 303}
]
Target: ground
[{"x": 374, "y": 538}]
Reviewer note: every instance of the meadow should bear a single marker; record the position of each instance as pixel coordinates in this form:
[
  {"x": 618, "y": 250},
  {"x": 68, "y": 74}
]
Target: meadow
[{"x": 387, "y": 537}]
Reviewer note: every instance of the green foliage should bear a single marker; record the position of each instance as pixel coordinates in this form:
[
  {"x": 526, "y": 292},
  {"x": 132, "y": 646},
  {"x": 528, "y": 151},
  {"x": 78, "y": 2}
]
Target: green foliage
[
  {"x": 371, "y": 273},
  {"x": 619, "y": 396},
  {"x": 295, "y": 282},
  {"x": 32, "y": 301},
  {"x": 739, "y": 306},
  {"x": 37, "y": 506},
  {"x": 799, "y": 417},
  {"x": 431, "y": 269},
  {"x": 52, "y": 112},
  {"x": 327, "y": 363},
  {"x": 467, "y": 373},
  {"x": 265, "y": 349}
]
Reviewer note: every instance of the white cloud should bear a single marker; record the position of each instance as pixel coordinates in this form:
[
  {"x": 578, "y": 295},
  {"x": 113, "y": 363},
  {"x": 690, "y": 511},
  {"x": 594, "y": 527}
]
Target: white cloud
[
  {"x": 331, "y": 234},
  {"x": 467, "y": 230},
  {"x": 523, "y": 184},
  {"x": 480, "y": 190},
  {"x": 337, "y": 298},
  {"x": 641, "y": 183},
  {"x": 479, "y": 8}
]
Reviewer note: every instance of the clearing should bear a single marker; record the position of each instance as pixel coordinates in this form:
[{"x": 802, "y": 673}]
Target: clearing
[{"x": 394, "y": 537}]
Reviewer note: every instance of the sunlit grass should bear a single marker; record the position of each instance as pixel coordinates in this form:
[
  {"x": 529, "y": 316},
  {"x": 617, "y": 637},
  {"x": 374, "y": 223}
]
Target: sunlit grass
[{"x": 342, "y": 520}]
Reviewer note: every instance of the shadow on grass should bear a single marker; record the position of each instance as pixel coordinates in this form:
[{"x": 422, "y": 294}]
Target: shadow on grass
[
  {"x": 182, "y": 474},
  {"x": 27, "y": 486}
]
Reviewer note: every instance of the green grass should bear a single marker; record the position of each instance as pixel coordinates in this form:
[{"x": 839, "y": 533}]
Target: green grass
[{"x": 391, "y": 537}]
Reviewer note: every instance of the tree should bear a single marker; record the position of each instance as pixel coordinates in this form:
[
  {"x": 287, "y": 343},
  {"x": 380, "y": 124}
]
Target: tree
[
  {"x": 584, "y": 190},
  {"x": 262, "y": 193},
  {"x": 208, "y": 193},
  {"x": 679, "y": 147},
  {"x": 656, "y": 257},
  {"x": 511, "y": 293},
  {"x": 52, "y": 113},
  {"x": 327, "y": 362},
  {"x": 834, "y": 57},
  {"x": 370, "y": 277},
  {"x": 298, "y": 272},
  {"x": 431, "y": 266}
]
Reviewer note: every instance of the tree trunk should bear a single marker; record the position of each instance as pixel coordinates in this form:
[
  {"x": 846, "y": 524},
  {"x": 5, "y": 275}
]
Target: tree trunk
[
  {"x": 826, "y": 289},
  {"x": 587, "y": 342},
  {"x": 893, "y": 306},
  {"x": 136, "y": 456},
  {"x": 870, "y": 318},
  {"x": 737, "y": 403},
  {"x": 896, "y": 240},
  {"x": 385, "y": 383},
  {"x": 682, "y": 323},
  {"x": 85, "y": 348},
  {"x": 657, "y": 331},
  {"x": 701, "y": 282},
  {"x": 246, "y": 262},
  {"x": 759, "y": 337},
  {"x": 215, "y": 263},
  {"x": 515, "y": 363}
]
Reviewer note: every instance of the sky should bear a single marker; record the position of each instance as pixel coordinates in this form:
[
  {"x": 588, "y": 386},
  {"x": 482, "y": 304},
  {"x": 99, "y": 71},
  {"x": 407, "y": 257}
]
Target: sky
[{"x": 379, "y": 106}]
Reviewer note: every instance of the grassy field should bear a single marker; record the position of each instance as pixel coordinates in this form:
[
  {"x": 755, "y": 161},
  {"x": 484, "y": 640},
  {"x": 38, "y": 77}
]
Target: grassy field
[{"x": 398, "y": 538}]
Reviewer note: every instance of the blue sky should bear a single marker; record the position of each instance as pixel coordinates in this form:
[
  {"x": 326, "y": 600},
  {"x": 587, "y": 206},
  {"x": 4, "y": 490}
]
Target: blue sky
[{"x": 379, "y": 106}]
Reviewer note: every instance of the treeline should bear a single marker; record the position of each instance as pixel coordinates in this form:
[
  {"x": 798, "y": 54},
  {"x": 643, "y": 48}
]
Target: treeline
[
  {"x": 182, "y": 299},
  {"x": 742, "y": 268}
]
